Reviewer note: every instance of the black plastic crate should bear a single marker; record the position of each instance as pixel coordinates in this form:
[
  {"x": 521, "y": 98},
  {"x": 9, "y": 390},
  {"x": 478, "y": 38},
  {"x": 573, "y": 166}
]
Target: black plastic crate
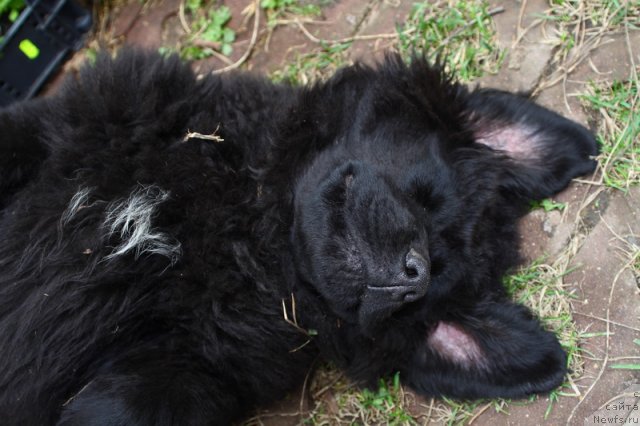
[{"x": 37, "y": 44}]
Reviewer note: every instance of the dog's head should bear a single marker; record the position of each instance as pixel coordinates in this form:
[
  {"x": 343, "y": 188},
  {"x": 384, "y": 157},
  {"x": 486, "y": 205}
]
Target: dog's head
[
  {"x": 405, "y": 219},
  {"x": 362, "y": 226}
]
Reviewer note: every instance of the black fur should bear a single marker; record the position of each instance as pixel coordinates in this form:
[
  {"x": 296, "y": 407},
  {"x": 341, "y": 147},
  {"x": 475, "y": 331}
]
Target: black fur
[{"x": 143, "y": 277}]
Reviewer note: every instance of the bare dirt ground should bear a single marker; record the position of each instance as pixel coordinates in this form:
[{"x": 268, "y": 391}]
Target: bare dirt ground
[{"x": 583, "y": 247}]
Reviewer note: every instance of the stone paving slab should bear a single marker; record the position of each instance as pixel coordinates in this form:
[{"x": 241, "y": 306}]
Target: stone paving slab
[
  {"x": 545, "y": 234},
  {"x": 383, "y": 18},
  {"x": 519, "y": 32},
  {"x": 611, "y": 61},
  {"x": 344, "y": 18}
]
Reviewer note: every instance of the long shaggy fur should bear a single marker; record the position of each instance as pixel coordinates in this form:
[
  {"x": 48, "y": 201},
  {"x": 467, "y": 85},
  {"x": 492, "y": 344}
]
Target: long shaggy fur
[{"x": 147, "y": 278}]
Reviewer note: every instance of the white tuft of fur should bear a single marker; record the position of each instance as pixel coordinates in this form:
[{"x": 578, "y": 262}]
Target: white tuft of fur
[
  {"x": 130, "y": 220},
  {"x": 78, "y": 202}
]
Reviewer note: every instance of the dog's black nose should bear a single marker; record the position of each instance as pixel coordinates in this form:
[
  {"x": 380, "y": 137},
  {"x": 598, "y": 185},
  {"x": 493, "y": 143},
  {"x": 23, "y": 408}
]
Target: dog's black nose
[
  {"x": 408, "y": 284},
  {"x": 413, "y": 282},
  {"x": 416, "y": 276}
]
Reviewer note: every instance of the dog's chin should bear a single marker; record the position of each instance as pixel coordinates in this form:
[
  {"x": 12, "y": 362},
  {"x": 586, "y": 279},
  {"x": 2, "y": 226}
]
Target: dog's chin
[
  {"x": 378, "y": 304},
  {"x": 374, "y": 311}
]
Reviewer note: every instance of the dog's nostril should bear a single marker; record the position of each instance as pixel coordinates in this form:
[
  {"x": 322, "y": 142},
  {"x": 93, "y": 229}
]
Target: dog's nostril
[
  {"x": 410, "y": 272},
  {"x": 416, "y": 266}
]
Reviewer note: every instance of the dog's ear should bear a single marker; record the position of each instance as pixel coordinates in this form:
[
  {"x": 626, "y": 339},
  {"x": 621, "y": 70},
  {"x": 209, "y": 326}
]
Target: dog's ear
[
  {"x": 544, "y": 150},
  {"x": 495, "y": 349}
]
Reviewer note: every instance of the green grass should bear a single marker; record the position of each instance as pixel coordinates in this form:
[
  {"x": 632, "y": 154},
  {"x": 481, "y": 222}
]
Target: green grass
[
  {"x": 277, "y": 9},
  {"x": 209, "y": 31},
  {"x": 210, "y": 34},
  {"x": 632, "y": 366},
  {"x": 548, "y": 205},
  {"x": 539, "y": 286},
  {"x": 579, "y": 25},
  {"x": 616, "y": 107},
  {"x": 346, "y": 404},
  {"x": 313, "y": 66},
  {"x": 625, "y": 366},
  {"x": 596, "y": 13},
  {"x": 388, "y": 401},
  {"x": 460, "y": 32}
]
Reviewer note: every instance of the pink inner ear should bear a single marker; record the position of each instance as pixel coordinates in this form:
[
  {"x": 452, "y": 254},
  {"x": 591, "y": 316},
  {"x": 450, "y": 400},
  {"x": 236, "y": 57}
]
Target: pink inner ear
[
  {"x": 454, "y": 344},
  {"x": 516, "y": 140}
]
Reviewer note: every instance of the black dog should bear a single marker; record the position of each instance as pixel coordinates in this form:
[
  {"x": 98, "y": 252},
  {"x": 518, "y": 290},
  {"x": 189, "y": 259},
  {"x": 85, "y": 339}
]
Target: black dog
[{"x": 179, "y": 251}]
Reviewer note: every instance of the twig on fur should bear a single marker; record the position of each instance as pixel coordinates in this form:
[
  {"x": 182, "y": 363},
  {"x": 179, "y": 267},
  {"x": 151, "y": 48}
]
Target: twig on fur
[
  {"x": 212, "y": 137},
  {"x": 252, "y": 43},
  {"x": 296, "y": 349},
  {"x": 294, "y": 323},
  {"x": 68, "y": 401},
  {"x": 293, "y": 309}
]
